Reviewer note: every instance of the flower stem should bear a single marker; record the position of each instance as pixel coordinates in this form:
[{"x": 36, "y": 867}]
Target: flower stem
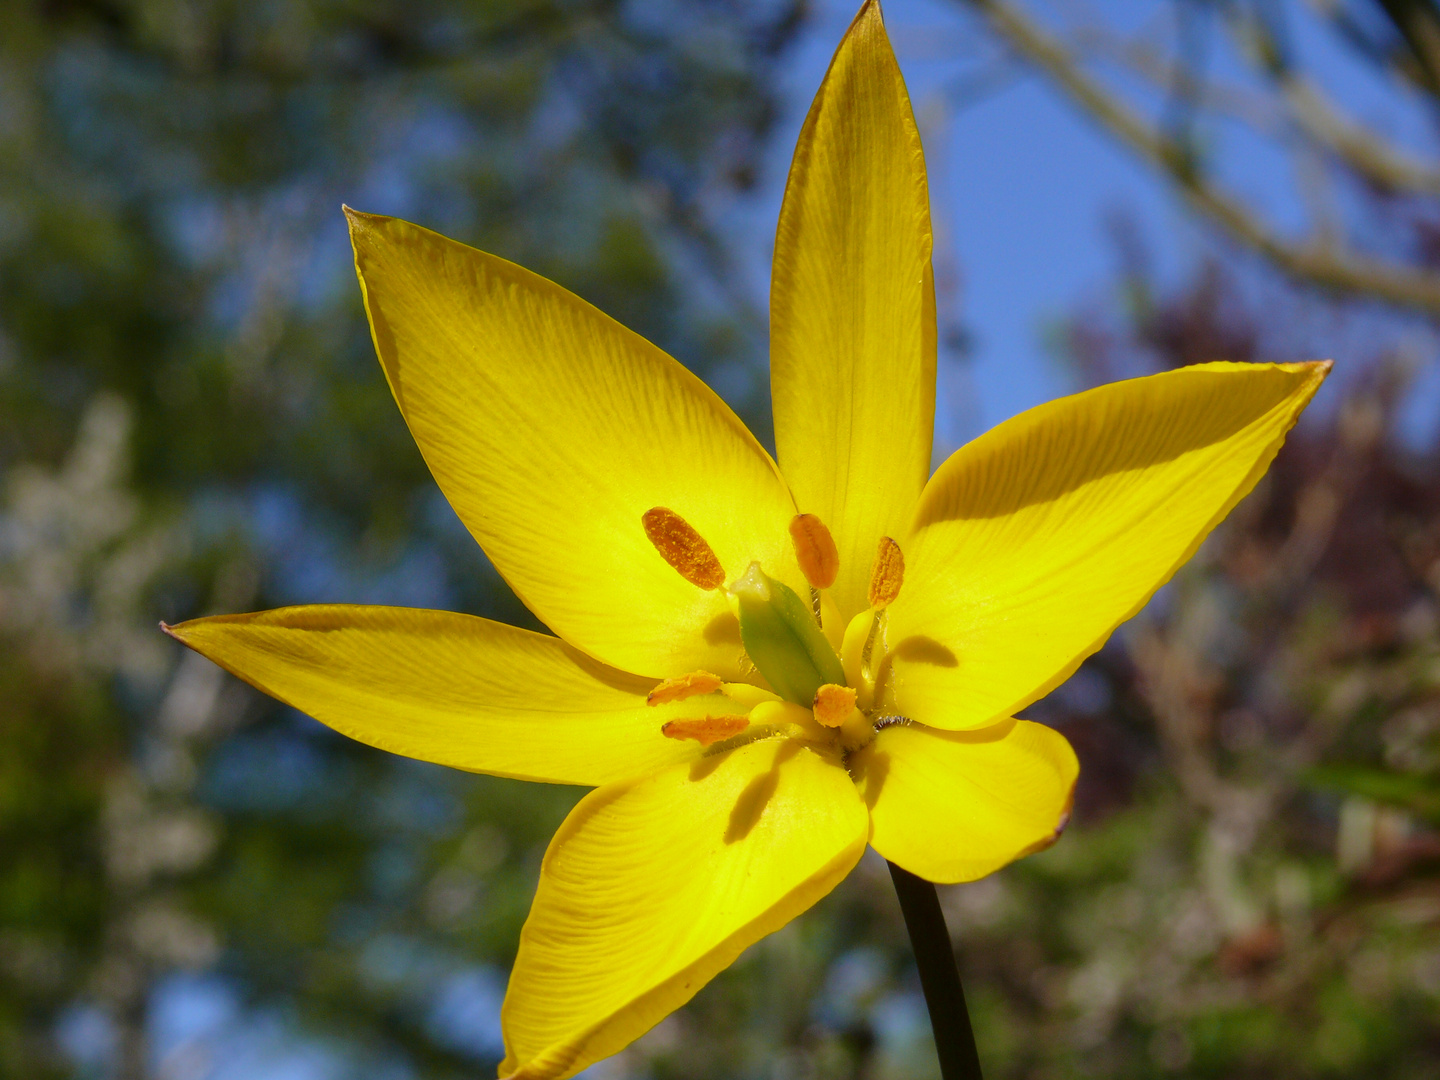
[{"x": 939, "y": 977}]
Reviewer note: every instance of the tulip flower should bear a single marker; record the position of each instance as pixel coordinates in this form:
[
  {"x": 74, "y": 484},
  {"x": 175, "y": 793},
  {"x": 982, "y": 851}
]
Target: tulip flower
[{"x": 760, "y": 668}]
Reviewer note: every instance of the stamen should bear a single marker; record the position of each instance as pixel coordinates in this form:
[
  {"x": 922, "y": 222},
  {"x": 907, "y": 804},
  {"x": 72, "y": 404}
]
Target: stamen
[
  {"x": 852, "y": 648},
  {"x": 684, "y": 686},
  {"x": 706, "y": 729},
  {"x": 780, "y": 714},
  {"x": 834, "y": 704},
  {"x": 787, "y": 718},
  {"x": 815, "y": 550},
  {"x": 887, "y": 575},
  {"x": 747, "y": 695},
  {"x": 683, "y": 548},
  {"x": 868, "y": 653}
]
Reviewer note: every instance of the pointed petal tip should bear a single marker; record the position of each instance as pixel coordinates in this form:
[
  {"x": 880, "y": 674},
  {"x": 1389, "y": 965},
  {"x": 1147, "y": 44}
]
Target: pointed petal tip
[
  {"x": 181, "y": 631},
  {"x": 361, "y": 222},
  {"x": 870, "y": 16},
  {"x": 355, "y": 223},
  {"x": 1317, "y": 370},
  {"x": 1314, "y": 373}
]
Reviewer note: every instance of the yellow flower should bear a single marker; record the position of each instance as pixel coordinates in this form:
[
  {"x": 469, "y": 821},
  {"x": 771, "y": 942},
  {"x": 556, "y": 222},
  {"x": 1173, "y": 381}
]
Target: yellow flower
[{"x": 636, "y": 516}]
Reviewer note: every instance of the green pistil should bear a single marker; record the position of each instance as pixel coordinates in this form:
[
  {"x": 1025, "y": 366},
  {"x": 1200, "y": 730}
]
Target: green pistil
[{"x": 783, "y": 639}]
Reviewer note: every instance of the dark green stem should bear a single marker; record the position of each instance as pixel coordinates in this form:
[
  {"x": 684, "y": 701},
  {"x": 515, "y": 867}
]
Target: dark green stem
[{"x": 939, "y": 977}]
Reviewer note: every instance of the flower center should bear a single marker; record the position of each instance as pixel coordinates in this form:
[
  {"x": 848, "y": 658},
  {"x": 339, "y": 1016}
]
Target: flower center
[{"x": 826, "y": 697}]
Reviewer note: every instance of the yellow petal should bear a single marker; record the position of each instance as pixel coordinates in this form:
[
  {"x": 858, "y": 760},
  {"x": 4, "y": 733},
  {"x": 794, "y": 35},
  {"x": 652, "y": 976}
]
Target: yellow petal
[
  {"x": 957, "y": 805},
  {"x": 1032, "y": 543},
  {"x": 453, "y": 689},
  {"x": 552, "y": 430},
  {"x": 852, "y": 309},
  {"x": 652, "y": 887}
]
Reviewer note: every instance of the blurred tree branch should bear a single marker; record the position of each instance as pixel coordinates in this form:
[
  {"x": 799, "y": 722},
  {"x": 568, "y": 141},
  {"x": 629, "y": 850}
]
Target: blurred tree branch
[
  {"x": 1313, "y": 120},
  {"x": 1418, "y": 22},
  {"x": 1305, "y": 104}
]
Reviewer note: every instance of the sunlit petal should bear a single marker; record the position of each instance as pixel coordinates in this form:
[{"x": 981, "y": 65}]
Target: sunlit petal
[
  {"x": 552, "y": 430},
  {"x": 1036, "y": 540},
  {"x": 453, "y": 689},
  {"x": 650, "y": 888},
  {"x": 852, "y": 308},
  {"x": 957, "y": 805}
]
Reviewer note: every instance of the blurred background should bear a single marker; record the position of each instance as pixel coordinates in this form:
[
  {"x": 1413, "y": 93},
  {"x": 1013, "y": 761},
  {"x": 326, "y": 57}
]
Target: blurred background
[{"x": 198, "y": 884}]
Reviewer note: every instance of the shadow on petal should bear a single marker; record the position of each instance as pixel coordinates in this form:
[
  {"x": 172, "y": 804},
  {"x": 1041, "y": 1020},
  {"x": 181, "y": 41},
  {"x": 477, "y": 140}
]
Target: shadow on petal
[
  {"x": 1062, "y": 446},
  {"x": 723, "y": 629},
  {"x": 757, "y": 794},
  {"x": 870, "y": 770},
  {"x": 871, "y": 767},
  {"x": 919, "y": 649}
]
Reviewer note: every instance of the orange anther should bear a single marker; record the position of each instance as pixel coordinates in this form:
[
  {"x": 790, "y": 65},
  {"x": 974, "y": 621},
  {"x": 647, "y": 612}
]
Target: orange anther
[
  {"x": 815, "y": 550},
  {"x": 683, "y": 686},
  {"x": 887, "y": 575},
  {"x": 683, "y": 548},
  {"x": 834, "y": 704},
  {"x": 706, "y": 729}
]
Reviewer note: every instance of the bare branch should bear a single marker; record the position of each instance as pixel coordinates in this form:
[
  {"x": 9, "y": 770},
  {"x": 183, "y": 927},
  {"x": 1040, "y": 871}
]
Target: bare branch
[
  {"x": 1320, "y": 120},
  {"x": 1320, "y": 264},
  {"x": 1313, "y": 113},
  {"x": 1370, "y": 156},
  {"x": 1398, "y": 58},
  {"x": 1419, "y": 24},
  {"x": 1149, "y": 64}
]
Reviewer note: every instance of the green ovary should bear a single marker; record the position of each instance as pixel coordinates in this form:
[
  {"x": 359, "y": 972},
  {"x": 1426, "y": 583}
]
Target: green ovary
[{"x": 782, "y": 638}]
